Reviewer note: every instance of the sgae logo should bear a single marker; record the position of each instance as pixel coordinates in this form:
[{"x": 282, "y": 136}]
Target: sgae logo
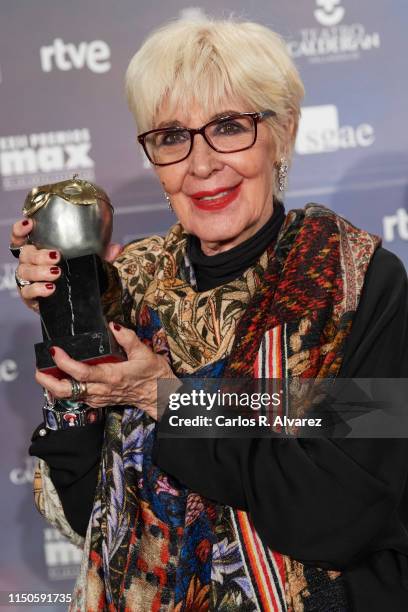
[{"x": 320, "y": 132}]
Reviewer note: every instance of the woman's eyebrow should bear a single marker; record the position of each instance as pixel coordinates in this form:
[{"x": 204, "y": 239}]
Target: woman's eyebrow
[
  {"x": 225, "y": 113},
  {"x": 176, "y": 123}
]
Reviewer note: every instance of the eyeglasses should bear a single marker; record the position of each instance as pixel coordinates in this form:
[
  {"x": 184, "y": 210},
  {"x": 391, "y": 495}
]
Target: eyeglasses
[{"x": 228, "y": 134}]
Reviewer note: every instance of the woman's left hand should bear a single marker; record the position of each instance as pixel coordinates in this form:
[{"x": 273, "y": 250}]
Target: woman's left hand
[{"x": 132, "y": 382}]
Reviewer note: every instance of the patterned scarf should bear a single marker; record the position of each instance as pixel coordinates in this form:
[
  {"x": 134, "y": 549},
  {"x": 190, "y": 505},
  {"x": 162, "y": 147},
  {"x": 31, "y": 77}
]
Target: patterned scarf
[{"x": 154, "y": 545}]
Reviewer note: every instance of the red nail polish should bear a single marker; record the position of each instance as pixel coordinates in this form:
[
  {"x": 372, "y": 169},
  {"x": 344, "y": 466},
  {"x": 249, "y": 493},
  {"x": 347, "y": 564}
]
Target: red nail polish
[
  {"x": 54, "y": 270},
  {"x": 25, "y": 222},
  {"x": 49, "y": 286},
  {"x": 117, "y": 326},
  {"x": 52, "y": 351},
  {"x": 53, "y": 254}
]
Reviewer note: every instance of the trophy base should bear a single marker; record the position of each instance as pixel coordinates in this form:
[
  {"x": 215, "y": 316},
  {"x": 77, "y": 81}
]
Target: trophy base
[{"x": 91, "y": 348}]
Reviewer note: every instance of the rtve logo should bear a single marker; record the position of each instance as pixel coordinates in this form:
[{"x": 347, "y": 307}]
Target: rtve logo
[
  {"x": 320, "y": 132},
  {"x": 66, "y": 56},
  {"x": 329, "y": 14},
  {"x": 396, "y": 226}
]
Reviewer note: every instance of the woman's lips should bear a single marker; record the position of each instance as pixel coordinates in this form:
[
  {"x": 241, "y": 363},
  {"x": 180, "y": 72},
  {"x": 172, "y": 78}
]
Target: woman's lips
[{"x": 216, "y": 202}]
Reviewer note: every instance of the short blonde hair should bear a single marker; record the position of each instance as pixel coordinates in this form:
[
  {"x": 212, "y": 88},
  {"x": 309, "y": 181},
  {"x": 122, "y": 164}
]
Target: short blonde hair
[{"x": 209, "y": 60}]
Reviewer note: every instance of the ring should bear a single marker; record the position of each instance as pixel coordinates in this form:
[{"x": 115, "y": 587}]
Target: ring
[
  {"x": 21, "y": 282},
  {"x": 15, "y": 250},
  {"x": 75, "y": 389},
  {"x": 78, "y": 389},
  {"x": 83, "y": 389}
]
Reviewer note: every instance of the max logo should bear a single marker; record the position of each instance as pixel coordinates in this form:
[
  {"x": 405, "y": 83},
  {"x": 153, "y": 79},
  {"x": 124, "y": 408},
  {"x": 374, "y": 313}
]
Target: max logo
[
  {"x": 46, "y": 159},
  {"x": 329, "y": 14},
  {"x": 66, "y": 56}
]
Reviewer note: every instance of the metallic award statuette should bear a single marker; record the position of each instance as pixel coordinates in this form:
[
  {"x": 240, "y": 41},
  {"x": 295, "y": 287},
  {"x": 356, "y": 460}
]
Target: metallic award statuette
[{"x": 75, "y": 218}]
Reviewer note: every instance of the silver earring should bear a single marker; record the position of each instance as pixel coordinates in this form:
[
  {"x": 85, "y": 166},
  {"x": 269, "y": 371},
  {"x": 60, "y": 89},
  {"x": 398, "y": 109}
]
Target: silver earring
[
  {"x": 283, "y": 174},
  {"x": 166, "y": 195}
]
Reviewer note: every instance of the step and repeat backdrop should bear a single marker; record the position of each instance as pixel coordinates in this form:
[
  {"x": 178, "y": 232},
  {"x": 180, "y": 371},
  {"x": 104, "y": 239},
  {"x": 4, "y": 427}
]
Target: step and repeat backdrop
[{"x": 63, "y": 111}]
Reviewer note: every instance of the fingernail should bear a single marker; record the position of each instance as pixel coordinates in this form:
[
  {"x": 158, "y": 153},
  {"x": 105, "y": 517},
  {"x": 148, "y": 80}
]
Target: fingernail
[
  {"x": 54, "y": 270},
  {"x": 53, "y": 254},
  {"x": 117, "y": 326},
  {"x": 25, "y": 222},
  {"x": 49, "y": 286},
  {"x": 52, "y": 351}
]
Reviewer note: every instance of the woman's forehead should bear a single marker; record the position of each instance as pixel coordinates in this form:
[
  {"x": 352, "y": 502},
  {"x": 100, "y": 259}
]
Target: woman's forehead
[{"x": 189, "y": 113}]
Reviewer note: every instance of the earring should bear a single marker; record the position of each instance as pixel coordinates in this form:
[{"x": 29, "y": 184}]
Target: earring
[
  {"x": 283, "y": 174},
  {"x": 166, "y": 195}
]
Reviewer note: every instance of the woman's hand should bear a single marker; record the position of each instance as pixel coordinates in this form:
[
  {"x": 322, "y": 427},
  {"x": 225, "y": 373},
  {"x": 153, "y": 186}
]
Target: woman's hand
[
  {"x": 40, "y": 266},
  {"x": 36, "y": 265},
  {"x": 131, "y": 382}
]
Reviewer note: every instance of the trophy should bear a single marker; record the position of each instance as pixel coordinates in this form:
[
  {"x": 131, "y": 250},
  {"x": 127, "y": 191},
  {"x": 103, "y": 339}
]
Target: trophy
[{"x": 75, "y": 218}]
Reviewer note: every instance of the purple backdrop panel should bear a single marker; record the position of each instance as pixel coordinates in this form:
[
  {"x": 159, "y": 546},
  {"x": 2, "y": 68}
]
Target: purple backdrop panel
[{"x": 63, "y": 111}]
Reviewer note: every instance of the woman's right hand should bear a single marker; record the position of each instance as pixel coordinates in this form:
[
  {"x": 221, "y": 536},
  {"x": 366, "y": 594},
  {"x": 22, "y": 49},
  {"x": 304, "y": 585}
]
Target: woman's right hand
[{"x": 40, "y": 266}]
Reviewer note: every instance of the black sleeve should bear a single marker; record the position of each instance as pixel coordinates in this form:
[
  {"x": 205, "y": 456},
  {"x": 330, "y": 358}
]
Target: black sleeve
[
  {"x": 326, "y": 502},
  {"x": 73, "y": 456}
]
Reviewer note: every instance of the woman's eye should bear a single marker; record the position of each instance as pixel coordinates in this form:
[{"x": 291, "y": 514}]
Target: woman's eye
[
  {"x": 172, "y": 138},
  {"x": 228, "y": 128}
]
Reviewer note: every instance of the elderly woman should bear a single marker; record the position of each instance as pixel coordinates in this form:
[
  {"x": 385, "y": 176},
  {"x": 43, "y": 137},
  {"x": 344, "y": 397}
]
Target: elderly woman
[{"x": 236, "y": 288}]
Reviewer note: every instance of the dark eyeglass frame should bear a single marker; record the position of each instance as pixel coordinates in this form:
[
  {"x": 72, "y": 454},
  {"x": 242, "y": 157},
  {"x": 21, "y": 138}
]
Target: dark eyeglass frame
[{"x": 255, "y": 116}]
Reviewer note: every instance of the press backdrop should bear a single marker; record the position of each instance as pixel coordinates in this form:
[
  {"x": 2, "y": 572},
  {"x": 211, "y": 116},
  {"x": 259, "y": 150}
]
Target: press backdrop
[{"x": 62, "y": 110}]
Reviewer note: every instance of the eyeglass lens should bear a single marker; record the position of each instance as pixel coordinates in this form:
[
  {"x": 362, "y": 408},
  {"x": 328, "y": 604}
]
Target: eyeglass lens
[{"x": 226, "y": 135}]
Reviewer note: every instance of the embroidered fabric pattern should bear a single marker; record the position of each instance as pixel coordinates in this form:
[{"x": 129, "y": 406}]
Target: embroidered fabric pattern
[{"x": 154, "y": 544}]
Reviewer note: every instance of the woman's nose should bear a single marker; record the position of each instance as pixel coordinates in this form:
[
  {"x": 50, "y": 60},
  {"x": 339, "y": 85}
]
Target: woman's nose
[{"x": 203, "y": 159}]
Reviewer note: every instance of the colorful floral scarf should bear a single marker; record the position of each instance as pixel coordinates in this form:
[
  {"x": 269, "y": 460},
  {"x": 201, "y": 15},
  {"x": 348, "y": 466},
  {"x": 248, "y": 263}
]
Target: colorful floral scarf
[{"x": 152, "y": 544}]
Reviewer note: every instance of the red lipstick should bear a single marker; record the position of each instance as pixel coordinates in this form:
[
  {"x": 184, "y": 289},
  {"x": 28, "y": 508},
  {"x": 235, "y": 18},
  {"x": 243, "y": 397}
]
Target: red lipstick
[{"x": 227, "y": 196}]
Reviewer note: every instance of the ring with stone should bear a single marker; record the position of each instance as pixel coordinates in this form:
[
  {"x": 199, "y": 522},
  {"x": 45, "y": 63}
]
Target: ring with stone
[{"x": 21, "y": 282}]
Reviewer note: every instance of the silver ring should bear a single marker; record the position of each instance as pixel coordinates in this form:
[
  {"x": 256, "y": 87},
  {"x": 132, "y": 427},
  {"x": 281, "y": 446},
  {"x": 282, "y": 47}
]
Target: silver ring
[
  {"x": 21, "y": 282},
  {"x": 78, "y": 389},
  {"x": 75, "y": 389}
]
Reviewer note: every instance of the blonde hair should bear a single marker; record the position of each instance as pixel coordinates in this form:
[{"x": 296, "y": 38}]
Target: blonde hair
[{"x": 209, "y": 60}]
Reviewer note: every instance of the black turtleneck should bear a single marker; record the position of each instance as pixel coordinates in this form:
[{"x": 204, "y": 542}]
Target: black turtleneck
[{"x": 215, "y": 270}]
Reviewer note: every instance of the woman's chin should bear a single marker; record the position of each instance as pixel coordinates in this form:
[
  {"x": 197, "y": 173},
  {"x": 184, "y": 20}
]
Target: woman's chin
[{"x": 217, "y": 237}]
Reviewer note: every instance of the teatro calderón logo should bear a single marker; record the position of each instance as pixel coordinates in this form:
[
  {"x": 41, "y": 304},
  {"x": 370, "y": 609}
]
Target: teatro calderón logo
[
  {"x": 328, "y": 12},
  {"x": 45, "y": 157},
  {"x": 335, "y": 37},
  {"x": 94, "y": 55},
  {"x": 320, "y": 131}
]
